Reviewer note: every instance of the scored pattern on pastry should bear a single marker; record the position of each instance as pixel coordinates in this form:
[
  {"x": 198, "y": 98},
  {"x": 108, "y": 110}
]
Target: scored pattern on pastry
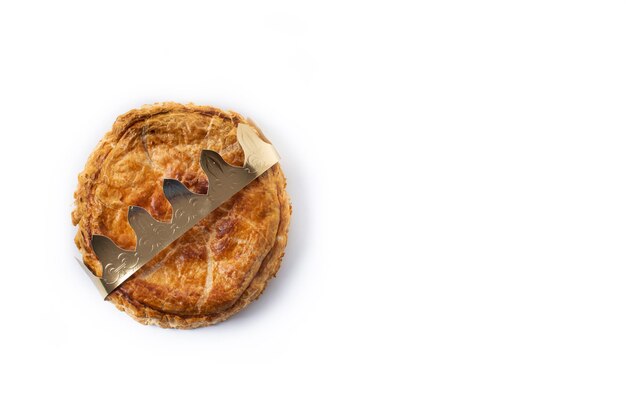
[{"x": 188, "y": 208}]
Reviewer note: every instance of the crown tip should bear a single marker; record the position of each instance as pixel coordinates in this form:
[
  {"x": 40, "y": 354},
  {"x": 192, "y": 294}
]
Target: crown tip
[{"x": 134, "y": 209}]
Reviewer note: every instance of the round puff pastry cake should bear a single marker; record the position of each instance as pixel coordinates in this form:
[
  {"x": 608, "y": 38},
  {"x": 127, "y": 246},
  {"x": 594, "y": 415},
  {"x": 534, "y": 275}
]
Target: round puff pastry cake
[{"x": 220, "y": 265}]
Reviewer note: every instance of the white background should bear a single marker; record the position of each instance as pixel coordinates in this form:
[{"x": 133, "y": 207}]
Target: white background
[{"x": 457, "y": 172}]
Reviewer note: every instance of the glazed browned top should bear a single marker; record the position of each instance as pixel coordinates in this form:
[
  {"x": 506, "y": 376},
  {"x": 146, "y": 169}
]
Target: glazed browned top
[{"x": 209, "y": 267}]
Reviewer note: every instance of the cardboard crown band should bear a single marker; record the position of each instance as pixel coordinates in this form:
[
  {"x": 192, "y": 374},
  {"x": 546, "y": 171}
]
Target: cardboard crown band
[{"x": 188, "y": 209}]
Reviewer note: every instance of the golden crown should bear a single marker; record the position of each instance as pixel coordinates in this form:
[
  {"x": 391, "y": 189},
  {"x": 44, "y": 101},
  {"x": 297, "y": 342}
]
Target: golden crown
[{"x": 188, "y": 208}]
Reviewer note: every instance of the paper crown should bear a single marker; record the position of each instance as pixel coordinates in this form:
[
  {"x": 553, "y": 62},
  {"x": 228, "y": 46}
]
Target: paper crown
[{"x": 188, "y": 208}]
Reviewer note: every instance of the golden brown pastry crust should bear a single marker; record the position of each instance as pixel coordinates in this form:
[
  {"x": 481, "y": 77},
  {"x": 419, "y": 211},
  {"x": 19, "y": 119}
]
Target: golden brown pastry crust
[{"x": 219, "y": 266}]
